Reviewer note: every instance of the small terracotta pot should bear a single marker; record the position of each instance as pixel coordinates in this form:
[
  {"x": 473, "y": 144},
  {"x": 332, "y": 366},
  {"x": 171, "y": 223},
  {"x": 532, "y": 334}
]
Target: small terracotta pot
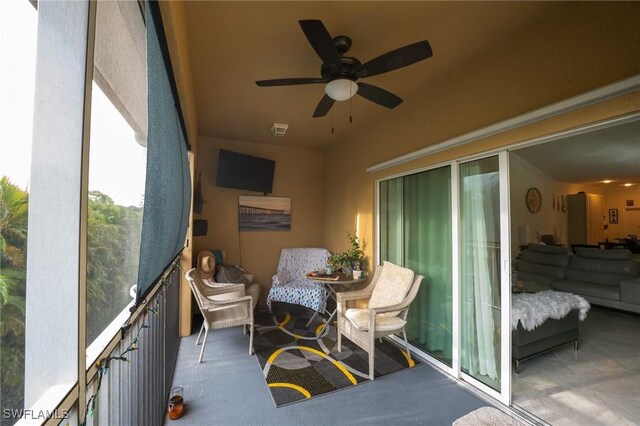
[{"x": 176, "y": 407}]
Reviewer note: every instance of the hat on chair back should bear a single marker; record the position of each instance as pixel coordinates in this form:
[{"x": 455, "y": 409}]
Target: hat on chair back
[{"x": 206, "y": 265}]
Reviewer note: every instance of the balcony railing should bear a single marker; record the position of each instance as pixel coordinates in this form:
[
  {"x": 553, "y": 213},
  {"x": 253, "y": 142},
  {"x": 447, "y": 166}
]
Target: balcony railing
[{"x": 128, "y": 380}]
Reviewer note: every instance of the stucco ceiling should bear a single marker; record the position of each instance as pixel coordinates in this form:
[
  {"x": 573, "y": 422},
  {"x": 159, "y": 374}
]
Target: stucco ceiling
[
  {"x": 232, "y": 44},
  {"x": 612, "y": 154}
]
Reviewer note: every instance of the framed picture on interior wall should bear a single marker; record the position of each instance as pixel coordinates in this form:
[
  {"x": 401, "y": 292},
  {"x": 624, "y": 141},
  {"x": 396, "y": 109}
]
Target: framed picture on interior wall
[
  {"x": 257, "y": 213},
  {"x": 613, "y": 215},
  {"x": 629, "y": 203}
]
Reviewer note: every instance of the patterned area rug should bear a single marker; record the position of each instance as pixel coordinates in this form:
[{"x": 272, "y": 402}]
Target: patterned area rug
[{"x": 299, "y": 363}]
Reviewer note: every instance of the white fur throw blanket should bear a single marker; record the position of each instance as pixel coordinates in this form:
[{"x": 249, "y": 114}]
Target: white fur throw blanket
[{"x": 534, "y": 309}]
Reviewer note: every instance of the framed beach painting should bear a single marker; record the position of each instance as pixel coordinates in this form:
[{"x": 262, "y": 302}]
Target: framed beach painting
[{"x": 257, "y": 213}]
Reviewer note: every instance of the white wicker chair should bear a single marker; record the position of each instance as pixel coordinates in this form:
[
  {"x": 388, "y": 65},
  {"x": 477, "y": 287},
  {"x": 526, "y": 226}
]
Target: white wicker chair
[
  {"x": 389, "y": 295},
  {"x": 222, "y": 307}
]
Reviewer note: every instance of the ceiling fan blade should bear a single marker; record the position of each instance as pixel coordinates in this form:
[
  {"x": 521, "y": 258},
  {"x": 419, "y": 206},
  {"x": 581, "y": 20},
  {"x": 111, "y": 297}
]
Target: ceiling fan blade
[
  {"x": 324, "y": 106},
  {"x": 395, "y": 59},
  {"x": 289, "y": 81},
  {"x": 320, "y": 40},
  {"x": 378, "y": 95}
]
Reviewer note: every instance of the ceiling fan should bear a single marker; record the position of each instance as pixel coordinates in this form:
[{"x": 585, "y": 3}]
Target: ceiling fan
[{"x": 340, "y": 72}]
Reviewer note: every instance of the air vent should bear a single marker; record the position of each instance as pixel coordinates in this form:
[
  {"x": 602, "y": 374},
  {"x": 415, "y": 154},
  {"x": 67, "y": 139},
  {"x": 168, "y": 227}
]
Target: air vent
[{"x": 279, "y": 129}]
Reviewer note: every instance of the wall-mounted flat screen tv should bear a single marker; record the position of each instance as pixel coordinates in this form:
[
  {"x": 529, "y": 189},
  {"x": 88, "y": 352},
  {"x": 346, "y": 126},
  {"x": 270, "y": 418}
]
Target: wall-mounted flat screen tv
[{"x": 241, "y": 171}]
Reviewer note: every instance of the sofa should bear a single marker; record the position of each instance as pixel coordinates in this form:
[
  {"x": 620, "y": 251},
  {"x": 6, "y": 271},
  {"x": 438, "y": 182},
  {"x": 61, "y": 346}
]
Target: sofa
[
  {"x": 542, "y": 264},
  {"x": 551, "y": 334},
  {"x": 603, "y": 277}
]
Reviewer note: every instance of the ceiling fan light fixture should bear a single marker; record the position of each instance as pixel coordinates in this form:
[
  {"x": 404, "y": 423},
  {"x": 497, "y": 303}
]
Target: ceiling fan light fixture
[{"x": 341, "y": 89}]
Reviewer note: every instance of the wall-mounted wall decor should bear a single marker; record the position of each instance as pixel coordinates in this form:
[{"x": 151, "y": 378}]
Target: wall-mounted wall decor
[
  {"x": 613, "y": 215},
  {"x": 629, "y": 203},
  {"x": 257, "y": 213},
  {"x": 533, "y": 199}
]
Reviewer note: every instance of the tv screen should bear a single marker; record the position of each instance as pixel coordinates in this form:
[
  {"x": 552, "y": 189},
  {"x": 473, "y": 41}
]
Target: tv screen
[{"x": 241, "y": 171}]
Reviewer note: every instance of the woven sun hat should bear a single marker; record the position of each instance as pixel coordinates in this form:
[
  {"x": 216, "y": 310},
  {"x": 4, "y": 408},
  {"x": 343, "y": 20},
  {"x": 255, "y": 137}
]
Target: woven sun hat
[{"x": 206, "y": 265}]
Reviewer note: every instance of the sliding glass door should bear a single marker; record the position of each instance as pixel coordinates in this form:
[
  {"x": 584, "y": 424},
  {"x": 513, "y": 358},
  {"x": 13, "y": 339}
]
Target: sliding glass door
[
  {"x": 415, "y": 232},
  {"x": 480, "y": 308},
  {"x": 451, "y": 224}
]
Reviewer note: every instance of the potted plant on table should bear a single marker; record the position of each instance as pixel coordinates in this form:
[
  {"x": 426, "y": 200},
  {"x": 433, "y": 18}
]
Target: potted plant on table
[{"x": 352, "y": 259}]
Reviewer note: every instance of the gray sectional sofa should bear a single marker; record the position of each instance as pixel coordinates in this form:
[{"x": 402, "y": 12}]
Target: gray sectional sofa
[{"x": 603, "y": 277}]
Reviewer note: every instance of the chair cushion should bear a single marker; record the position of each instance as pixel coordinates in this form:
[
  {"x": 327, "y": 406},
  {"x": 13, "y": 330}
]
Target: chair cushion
[
  {"x": 392, "y": 286},
  {"x": 360, "y": 320}
]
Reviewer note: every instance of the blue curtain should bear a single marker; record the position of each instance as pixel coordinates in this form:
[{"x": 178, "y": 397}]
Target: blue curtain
[{"x": 168, "y": 185}]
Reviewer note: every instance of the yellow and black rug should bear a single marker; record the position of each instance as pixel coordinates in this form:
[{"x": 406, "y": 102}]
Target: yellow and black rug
[{"x": 299, "y": 363}]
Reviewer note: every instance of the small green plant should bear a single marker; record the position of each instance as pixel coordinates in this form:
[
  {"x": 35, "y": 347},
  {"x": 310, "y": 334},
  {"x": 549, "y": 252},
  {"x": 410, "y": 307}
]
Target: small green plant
[{"x": 350, "y": 257}]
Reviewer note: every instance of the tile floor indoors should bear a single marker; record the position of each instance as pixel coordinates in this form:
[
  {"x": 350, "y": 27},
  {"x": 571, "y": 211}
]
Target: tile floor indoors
[{"x": 598, "y": 385}]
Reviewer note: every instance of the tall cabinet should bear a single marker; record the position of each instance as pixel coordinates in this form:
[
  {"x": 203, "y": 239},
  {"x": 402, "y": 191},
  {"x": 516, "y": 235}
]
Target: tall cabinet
[{"x": 585, "y": 219}]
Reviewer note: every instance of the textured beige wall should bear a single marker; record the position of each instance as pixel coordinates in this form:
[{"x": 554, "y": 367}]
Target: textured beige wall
[
  {"x": 591, "y": 45},
  {"x": 298, "y": 174},
  {"x": 616, "y": 198},
  {"x": 356, "y": 197}
]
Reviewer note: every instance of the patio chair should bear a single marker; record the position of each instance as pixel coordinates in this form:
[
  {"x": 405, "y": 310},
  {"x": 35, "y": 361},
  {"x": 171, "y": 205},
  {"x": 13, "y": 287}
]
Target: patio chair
[
  {"x": 207, "y": 267},
  {"x": 222, "y": 307},
  {"x": 290, "y": 283},
  {"x": 389, "y": 295}
]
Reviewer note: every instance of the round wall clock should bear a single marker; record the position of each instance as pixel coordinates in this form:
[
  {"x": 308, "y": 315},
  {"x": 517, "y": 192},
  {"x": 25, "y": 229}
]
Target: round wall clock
[{"x": 534, "y": 199}]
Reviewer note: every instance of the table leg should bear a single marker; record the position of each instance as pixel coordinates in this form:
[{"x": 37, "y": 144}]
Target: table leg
[{"x": 324, "y": 302}]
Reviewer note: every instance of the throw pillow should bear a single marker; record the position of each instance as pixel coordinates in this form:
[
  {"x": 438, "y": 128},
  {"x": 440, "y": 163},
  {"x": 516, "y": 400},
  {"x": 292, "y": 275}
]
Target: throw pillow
[
  {"x": 230, "y": 274},
  {"x": 219, "y": 256}
]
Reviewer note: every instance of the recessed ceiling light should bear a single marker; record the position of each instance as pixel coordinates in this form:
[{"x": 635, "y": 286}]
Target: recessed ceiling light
[
  {"x": 628, "y": 184},
  {"x": 606, "y": 181}
]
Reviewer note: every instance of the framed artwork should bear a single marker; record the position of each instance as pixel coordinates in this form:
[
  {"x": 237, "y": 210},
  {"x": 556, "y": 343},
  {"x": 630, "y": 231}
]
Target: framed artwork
[
  {"x": 629, "y": 203},
  {"x": 613, "y": 215},
  {"x": 256, "y": 213}
]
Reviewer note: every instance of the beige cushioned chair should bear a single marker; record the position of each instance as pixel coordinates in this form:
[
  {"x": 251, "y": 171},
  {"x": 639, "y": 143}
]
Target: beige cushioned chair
[
  {"x": 388, "y": 297},
  {"x": 222, "y": 307}
]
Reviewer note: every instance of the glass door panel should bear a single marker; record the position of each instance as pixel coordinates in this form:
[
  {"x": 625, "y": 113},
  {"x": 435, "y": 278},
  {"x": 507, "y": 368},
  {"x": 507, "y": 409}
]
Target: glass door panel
[
  {"x": 480, "y": 335},
  {"x": 415, "y": 232}
]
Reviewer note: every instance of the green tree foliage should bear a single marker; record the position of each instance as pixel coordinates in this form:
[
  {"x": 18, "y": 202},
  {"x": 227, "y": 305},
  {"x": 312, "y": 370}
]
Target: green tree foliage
[
  {"x": 13, "y": 245},
  {"x": 113, "y": 250}
]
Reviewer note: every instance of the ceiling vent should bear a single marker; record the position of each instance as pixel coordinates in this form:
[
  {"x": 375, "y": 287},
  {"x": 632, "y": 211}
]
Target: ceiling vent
[{"x": 279, "y": 129}]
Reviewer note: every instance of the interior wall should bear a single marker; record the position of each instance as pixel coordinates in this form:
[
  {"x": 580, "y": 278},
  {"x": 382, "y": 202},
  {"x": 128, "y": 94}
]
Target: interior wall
[
  {"x": 555, "y": 61},
  {"x": 550, "y": 219},
  {"x": 617, "y": 198},
  {"x": 298, "y": 174}
]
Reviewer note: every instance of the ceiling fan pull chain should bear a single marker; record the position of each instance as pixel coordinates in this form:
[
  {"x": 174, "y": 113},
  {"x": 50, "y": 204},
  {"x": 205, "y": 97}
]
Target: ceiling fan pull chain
[{"x": 332, "y": 120}]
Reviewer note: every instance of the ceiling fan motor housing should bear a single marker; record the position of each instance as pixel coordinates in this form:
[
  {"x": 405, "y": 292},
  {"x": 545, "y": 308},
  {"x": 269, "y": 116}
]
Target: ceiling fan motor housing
[{"x": 345, "y": 69}]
